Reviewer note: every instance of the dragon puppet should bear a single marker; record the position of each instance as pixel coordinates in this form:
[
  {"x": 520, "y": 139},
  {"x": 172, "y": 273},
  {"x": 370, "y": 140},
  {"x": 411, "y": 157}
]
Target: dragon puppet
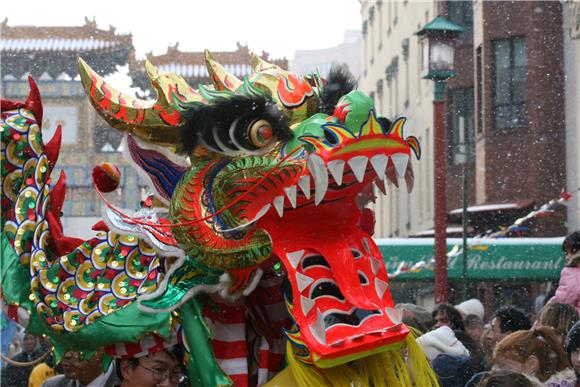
[{"x": 256, "y": 253}]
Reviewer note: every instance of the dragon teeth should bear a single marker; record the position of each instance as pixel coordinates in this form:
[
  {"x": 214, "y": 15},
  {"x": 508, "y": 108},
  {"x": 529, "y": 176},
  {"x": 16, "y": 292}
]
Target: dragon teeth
[
  {"x": 358, "y": 165},
  {"x": 394, "y": 315},
  {"x": 379, "y": 163},
  {"x": 380, "y": 287},
  {"x": 302, "y": 281},
  {"x": 318, "y": 329},
  {"x": 320, "y": 176},
  {"x": 400, "y": 161},
  {"x": 336, "y": 168},
  {"x": 307, "y": 304},
  {"x": 295, "y": 257},
  {"x": 291, "y": 194},
  {"x": 278, "y": 203},
  {"x": 304, "y": 184}
]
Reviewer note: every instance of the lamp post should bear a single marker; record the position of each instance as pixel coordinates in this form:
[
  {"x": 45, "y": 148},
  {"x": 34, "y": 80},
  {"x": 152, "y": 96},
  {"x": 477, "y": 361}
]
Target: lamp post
[{"x": 437, "y": 41}]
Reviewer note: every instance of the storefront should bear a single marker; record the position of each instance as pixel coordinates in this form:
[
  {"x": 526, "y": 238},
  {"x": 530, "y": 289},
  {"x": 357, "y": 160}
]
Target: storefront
[{"x": 498, "y": 271}]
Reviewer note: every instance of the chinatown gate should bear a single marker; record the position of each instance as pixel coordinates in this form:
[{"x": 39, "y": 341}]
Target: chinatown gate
[{"x": 498, "y": 271}]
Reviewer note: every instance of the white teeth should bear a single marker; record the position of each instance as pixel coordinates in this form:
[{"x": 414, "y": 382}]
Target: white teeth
[
  {"x": 307, "y": 304},
  {"x": 336, "y": 168},
  {"x": 320, "y": 175},
  {"x": 358, "y": 165},
  {"x": 379, "y": 163},
  {"x": 380, "y": 287},
  {"x": 295, "y": 257},
  {"x": 317, "y": 329},
  {"x": 381, "y": 186},
  {"x": 366, "y": 245},
  {"x": 394, "y": 315},
  {"x": 304, "y": 184},
  {"x": 375, "y": 265},
  {"x": 291, "y": 193},
  {"x": 278, "y": 203},
  {"x": 400, "y": 161},
  {"x": 303, "y": 281}
]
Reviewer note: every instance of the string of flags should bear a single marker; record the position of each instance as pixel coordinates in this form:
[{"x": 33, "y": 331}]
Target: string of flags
[{"x": 516, "y": 229}]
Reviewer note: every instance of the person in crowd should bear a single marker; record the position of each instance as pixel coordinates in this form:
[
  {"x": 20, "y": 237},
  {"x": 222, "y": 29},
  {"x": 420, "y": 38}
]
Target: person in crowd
[
  {"x": 471, "y": 306},
  {"x": 445, "y": 314},
  {"x": 16, "y": 376},
  {"x": 161, "y": 368},
  {"x": 452, "y": 370},
  {"x": 504, "y": 378},
  {"x": 536, "y": 353},
  {"x": 506, "y": 320},
  {"x": 572, "y": 346},
  {"x": 416, "y": 316},
  {"x": 82, "y": 373},
  {"x": 441, "y": 340},
  {"x": 41, "y": 372},
  {"x": 473, "y": 327},
  {"x": 477, "y": 361},
  {"x": 561, "y": 317},
  {"x": 568, "y": 291},
  {"x": 540, "y": 299}
]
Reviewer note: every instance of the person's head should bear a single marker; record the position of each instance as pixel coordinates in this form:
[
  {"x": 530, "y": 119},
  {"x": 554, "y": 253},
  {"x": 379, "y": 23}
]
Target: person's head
[
  {"x": 473, "y": 326},
  {"x": 471, "y": 306},
  {"x": 573, "y": 347},
  {"x": 505, "y": 320},
  {"x": 29, "y": 342},
  {"x": 452, "y": 370},
  {"x": 535, "y": 352},
  {"x": 158, "y": 369},
  {"x": 505, "y": 378},
  {"x": 85, "y": 370},
  {"x": 445, "y": 314},
  {"x": 416, "y": 316},
  {"x": 571, "y": 247},
  {"x": 561, "y": 317}
]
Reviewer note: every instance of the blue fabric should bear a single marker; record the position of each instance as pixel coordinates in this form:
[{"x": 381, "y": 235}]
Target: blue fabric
[
  {"x": 452, "y": 370},
  {"x": 7, "y": 332}
]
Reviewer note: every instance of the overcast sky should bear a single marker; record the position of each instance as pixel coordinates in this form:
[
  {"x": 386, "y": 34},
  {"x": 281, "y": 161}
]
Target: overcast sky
[{"x": 277, "y": 27}]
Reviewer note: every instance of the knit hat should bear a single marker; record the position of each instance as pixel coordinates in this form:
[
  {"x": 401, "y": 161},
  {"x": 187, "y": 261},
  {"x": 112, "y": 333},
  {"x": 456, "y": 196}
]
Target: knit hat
[
  {"x": 441, "y": 340},
  {"x": 472, "y": 306},
  {"x": 452, "y": 370},
  {"x": 573, "y": 342}
]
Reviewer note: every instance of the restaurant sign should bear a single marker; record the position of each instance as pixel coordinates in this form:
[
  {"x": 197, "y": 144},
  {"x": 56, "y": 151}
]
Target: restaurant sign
[{"x": 487, "y": 259}]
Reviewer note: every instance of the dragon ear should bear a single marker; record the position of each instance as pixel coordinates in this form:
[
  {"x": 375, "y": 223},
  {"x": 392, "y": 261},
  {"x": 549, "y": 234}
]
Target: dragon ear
[
  {"x": 155, "y": 163},
  {"x": 222, "y": 79}
]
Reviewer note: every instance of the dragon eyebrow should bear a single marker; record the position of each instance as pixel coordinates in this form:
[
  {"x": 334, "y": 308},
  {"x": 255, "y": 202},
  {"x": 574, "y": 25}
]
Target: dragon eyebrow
[{"x": 203, "y": 122}]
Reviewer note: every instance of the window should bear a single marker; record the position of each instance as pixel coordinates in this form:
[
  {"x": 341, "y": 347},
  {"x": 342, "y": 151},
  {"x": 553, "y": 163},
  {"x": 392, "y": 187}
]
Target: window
[
  {"x": 461, "y": 122},
  {"x": 461, "y": 12},
  {"x": 510, "y": 83}
]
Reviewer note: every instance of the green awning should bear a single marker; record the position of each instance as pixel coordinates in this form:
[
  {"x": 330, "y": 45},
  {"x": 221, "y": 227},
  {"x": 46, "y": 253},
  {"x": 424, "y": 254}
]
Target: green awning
[{"x": 487, "y": 259}]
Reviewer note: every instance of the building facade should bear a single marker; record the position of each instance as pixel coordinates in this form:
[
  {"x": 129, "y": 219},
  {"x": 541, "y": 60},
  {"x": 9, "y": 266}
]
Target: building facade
[
  {"x": 571, "y": 38},
  {"x": 348, "y": 53},
  {"x": 505, "y": 121}
]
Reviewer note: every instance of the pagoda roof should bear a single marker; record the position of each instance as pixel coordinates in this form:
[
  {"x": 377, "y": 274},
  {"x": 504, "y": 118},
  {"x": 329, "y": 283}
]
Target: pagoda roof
[{"x": 39, "y": 50}]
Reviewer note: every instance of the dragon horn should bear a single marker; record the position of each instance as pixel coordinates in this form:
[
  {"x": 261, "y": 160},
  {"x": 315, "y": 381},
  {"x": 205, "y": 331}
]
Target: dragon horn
[
  {"x": 260, "y": 64},
  {"x": 155, "y": 122},
  {"x": 222, "y": 79}
]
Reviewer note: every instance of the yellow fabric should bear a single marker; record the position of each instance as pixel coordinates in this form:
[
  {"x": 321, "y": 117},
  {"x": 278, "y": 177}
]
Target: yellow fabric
[
  {"x": 39, "y": 374},
  {"x": 402, "y": 365},
  {"x": 285, "y": 378}
]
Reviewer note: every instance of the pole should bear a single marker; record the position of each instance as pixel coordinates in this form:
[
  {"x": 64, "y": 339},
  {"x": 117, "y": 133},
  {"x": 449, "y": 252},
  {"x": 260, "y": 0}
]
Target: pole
[
  {"x": 464, "y": 221},
  {"x": 440, "y": 170}
]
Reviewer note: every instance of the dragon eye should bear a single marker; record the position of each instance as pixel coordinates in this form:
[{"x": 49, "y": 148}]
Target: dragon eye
[{"x": 260, "y": 133}]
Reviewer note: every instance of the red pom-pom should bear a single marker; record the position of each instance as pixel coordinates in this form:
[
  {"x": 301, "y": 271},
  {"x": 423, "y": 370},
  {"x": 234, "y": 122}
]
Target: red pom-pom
[{"x": 106, "y": 177}]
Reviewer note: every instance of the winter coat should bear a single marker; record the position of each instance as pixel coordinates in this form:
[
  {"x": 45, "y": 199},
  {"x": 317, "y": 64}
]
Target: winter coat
[
  {"x": 564, "y": 378},
  {"x": 568, "y": 291}
]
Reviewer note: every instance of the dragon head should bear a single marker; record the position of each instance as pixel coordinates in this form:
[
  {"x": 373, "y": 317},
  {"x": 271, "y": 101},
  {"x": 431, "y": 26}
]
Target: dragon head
[{"x": 281, "y": 170}]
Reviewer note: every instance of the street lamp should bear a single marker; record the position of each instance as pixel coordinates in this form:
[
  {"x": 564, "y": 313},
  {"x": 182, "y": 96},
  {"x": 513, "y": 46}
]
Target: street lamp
[{"x": 437, "y": 45}]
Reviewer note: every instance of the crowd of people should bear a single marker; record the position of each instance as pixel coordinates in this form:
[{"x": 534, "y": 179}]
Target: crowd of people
[{"x": 465, "y": 348}]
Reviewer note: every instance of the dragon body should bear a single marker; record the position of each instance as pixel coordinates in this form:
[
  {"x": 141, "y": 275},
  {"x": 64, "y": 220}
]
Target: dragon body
[{"x": 263, "y": 230}]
